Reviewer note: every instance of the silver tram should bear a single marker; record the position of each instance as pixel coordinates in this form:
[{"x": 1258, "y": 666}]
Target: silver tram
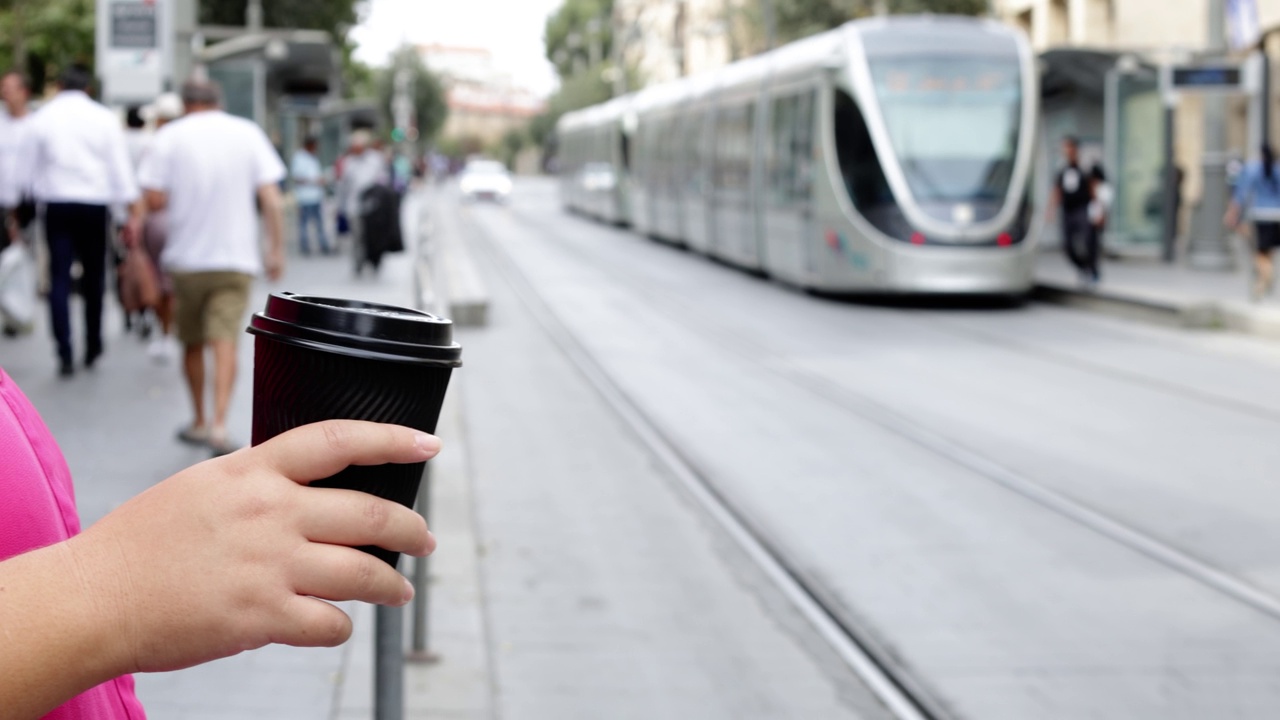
[{"x": 888, "y": 155}]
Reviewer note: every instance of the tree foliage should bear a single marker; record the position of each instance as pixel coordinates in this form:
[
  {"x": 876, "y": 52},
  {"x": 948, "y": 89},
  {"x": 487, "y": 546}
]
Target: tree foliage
[
  {"x": 334, "y": 16},
  {"x": 582, "y": 90},
  {"x": 571, "y": 32},
  {"x": 430, "y": 105},
  {"x": 40, "y": 37}
]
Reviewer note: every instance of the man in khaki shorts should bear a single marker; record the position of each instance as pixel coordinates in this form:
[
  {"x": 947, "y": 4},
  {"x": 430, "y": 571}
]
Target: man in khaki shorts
[{"x": 206, "y": 169}]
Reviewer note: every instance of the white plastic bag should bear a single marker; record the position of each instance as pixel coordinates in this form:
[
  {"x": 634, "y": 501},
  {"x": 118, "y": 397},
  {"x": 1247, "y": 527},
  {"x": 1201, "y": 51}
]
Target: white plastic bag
[{"x": 17, "y": 288}]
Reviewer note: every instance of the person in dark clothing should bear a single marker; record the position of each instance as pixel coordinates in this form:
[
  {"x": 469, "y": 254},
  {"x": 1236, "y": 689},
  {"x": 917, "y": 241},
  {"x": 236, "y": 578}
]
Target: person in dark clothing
[
  {"x": 1072, "y": 192},
  {"x": 79, "y": 168},
  {"x": 1257, "y": 198}
]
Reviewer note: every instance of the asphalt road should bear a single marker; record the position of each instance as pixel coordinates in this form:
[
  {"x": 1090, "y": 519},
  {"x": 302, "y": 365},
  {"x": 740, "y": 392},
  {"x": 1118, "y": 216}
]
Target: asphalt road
[{"x": 1034, "y": 512}]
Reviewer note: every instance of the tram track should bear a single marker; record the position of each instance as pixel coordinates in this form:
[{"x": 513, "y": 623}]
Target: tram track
[
  {"x": 902, "y": 694},
  {"x": 1227, "y": 584},
  {"x": 959, "y": 329},
  {"x": 855, "y": 641}
]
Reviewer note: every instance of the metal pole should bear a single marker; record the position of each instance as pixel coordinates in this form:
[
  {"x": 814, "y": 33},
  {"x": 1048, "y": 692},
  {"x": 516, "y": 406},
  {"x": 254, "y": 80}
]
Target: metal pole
[
  {"x": 1169, "y": 214},
  {"x": 388, "y": 664},
  {"x": 1208, "y": 249},
  {"x": 1265, "y": 90},
  {"x": 421, "y": 585},
  {"x": 617, "y": 49},
  {"x": 770, "y": 24},
  {"x": 253, "y": 16}
]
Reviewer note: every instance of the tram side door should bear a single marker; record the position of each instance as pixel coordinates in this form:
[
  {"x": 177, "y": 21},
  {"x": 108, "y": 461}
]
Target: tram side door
[{"x": 789, "y": 184}]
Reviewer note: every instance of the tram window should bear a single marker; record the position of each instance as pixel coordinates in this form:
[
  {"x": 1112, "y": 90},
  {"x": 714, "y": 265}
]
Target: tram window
[
  {"x": 790, "y": 148},
  {"x": 862, "y": 172},
  {"x": 733, "y": 148},
  {"x": 859, "y": 164},
  {"x": 625, "y": 148},
  {"x": 692, "y": 155}
]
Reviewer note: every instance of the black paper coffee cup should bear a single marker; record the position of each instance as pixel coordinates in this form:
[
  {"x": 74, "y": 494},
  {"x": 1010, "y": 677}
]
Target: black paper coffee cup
[{"x": 319, "y": 358}]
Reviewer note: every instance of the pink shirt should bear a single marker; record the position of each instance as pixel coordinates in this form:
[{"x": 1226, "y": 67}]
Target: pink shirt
[{"x": 37, "y": 509}]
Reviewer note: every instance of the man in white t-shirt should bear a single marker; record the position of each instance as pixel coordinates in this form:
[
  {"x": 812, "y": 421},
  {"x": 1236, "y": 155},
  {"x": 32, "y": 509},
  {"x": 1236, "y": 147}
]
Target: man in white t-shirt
[{"x": 206, "y": 169}]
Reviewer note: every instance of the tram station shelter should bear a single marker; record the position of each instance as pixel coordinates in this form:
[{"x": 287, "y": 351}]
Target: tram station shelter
[
  {"x": 289, "y": 82},
  {"x": 1146, "y": 138}
]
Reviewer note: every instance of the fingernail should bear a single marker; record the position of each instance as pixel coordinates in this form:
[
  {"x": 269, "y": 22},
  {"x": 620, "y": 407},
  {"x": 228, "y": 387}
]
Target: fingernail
[
  {"x": 408, "y": 592},
  {"x": 428, "y": 443}
]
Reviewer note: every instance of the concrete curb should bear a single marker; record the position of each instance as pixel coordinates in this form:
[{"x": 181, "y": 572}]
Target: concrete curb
[
  {"x": 1170, "y": 310},
  {"x": 446, "y": 277}
]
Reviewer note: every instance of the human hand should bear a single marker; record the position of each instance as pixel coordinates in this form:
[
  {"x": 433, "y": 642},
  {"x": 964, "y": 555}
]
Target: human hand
[
  {"x": 274, "y": 264},
  {"x": 237, "y": 553},
  {"x": 131, "y": 233}
]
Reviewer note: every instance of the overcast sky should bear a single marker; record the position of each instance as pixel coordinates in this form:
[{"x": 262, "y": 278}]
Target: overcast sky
[{"x": 512, "y": 29}]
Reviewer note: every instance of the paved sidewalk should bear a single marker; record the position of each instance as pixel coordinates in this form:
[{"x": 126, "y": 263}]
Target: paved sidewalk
[
  {"x": 1171, "y": 294},
  {"x": 116, "y": 427}
]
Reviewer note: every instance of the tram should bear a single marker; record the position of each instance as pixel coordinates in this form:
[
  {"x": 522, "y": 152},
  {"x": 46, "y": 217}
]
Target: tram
[{"x": 890, "y": 155}]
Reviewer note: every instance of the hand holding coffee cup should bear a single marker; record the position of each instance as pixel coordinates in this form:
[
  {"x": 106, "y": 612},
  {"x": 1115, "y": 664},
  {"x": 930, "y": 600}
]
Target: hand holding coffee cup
[{"x": 321, "y": 358}]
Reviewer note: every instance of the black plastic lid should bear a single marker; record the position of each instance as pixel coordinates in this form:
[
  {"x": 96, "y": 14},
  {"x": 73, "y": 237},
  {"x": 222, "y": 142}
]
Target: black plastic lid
[{"x": 362, "y": 329}]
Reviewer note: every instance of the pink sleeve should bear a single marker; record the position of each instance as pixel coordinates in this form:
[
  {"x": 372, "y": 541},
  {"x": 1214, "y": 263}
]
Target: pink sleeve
[{"x": 38, "y": 508}]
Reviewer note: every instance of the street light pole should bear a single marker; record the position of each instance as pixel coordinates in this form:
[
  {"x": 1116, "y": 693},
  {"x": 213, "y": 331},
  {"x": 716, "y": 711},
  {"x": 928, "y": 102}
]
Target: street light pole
[
  {"x": 1208, "y": 249},
  {"x": 770, "y": 24}
]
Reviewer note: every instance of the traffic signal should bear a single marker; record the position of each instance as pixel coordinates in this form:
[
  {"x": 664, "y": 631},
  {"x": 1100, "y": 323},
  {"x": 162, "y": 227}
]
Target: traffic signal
[{"x": 397, "y": 135}]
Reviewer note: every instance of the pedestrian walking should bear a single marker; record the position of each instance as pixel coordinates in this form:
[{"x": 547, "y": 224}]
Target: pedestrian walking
[
  {"x": 1257, "y": 198},
  {"x": 1072, "y": 193},
  {"x": 206, "y": 169},
  {"x": 155, "y": 231},
  {"x": 364, "y": 167},
  {"x": 308, "y": 191},
  {"x": 16, "y": 205},
  {"x": 79, "y": 169}
]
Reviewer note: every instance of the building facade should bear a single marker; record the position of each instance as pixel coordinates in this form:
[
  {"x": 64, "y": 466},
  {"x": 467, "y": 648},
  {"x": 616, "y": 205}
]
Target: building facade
[
  {"x": 668, "y": 39},
  {"x": 484, "y": 103}
]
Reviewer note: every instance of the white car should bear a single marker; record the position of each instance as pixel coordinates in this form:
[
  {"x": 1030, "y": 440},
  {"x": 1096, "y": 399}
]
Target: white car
[{"x": 485, "y": 180}]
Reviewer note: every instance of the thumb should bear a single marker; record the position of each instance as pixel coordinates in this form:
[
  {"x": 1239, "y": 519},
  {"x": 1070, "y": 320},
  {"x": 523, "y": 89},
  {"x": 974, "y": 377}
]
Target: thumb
[{"x": 319, "y": 450}]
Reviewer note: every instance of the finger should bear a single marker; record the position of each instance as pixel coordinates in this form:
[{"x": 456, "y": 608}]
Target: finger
[
  {"x": 312, "y": 623},
  {"x": 321, "y": 449},
  {"x": 352, "y": 518},
  {"x": 333, "y": 572}
]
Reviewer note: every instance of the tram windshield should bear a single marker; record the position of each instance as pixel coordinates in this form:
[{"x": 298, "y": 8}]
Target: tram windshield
[{"x": 953, "y": 123}]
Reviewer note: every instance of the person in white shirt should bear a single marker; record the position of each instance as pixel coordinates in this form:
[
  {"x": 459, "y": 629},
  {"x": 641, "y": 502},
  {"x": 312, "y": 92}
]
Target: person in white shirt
[
  {"x": 79, "y": 168},
  {"x": 15, "y": 190},
  {"x": 308, "y": 191},
  {"x": 206, "y": 168},
  {"x": 17, "y": 212},
  {"x": 364, "y": 167}
]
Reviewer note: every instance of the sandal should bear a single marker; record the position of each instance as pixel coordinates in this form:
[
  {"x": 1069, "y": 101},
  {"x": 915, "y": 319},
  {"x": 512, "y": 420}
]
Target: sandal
[
  {"x": 191, "y": 435},
  {"x": 221, "y": 445}
]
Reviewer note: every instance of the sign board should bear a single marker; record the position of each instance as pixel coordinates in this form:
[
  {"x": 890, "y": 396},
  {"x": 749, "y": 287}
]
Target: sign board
[
  {"x": 1208, "y": 77},
  {"x": 134, "y": 49}
]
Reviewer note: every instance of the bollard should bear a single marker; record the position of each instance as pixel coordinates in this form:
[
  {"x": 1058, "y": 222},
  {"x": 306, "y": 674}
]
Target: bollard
[
  {"x": 418, "y": 652},
  {"x": 388, "y": 665}
]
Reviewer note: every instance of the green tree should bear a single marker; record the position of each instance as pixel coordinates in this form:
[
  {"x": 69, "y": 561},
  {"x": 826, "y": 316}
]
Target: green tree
[
  {"x": 333, "y": 16},
  {"x": 576, "y": 32},
  {"x": 429, "y": 102},
  {"x": 582, "y": 90},
  {"x": 40, "y": 37}
]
